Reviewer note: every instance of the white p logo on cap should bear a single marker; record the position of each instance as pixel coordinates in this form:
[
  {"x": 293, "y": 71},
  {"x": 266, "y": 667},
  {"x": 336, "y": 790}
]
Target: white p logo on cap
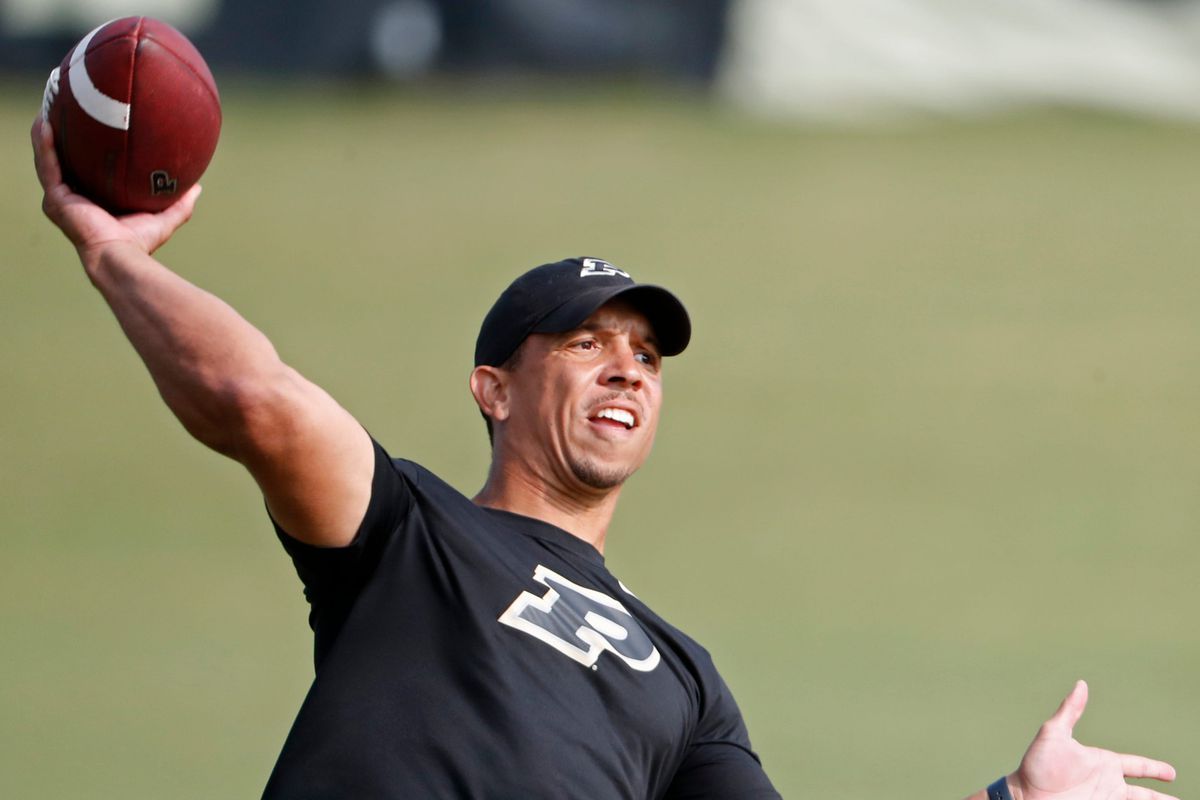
[{"x": 596, "y": 266}]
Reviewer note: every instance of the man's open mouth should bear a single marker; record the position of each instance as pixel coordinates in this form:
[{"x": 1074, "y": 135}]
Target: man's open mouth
[{"x": 617, "y": 415}]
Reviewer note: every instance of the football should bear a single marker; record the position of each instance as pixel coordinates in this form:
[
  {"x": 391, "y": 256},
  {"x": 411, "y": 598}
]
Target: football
[{"x": 135, "y": 114}]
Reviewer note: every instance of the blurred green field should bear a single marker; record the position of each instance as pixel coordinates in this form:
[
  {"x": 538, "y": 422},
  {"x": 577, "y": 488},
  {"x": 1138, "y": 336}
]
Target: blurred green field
[{"x": 931, "y": 456}]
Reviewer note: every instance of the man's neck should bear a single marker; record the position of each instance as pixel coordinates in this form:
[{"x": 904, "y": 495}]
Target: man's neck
[{"x": 581, "y": 511}]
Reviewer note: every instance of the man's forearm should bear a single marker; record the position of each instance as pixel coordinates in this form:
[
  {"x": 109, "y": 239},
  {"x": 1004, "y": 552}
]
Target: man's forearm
[{"x": 208, "y": 362}]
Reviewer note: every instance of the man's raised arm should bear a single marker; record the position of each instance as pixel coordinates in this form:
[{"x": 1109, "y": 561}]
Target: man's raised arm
[{"x": 218, "y": 373}]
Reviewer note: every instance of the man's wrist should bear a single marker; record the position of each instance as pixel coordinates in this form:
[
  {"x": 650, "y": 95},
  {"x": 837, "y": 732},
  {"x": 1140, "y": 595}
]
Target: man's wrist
[
  {"x": 98, "y": 258},
  {"x": 1005, "y": 788}
]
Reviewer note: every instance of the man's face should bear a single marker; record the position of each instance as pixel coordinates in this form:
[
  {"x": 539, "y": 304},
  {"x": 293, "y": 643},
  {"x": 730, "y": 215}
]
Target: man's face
[{"x": 584, "y": 405}]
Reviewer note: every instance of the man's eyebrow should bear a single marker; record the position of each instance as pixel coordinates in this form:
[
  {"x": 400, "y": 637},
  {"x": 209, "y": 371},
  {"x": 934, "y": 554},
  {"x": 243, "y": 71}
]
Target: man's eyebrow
[{"x": 593, "y": 327}]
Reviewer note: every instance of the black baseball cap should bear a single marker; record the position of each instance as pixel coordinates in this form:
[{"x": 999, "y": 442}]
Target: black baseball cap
[{"x": 558, "y": 297}]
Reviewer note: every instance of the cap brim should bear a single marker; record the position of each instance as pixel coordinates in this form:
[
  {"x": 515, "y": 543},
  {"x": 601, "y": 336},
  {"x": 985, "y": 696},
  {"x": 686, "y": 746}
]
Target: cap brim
[{"x": 667, "y": 316}]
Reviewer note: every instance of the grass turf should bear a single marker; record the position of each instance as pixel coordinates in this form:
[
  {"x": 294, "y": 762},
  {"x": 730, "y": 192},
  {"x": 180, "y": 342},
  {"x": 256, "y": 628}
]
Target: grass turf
[{"x": 931, "y": 456}]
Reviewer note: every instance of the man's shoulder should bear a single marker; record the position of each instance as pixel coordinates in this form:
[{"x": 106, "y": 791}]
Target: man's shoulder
[
  {"x": 420, "y": 478},
  {"x": 411, "y": 470}
]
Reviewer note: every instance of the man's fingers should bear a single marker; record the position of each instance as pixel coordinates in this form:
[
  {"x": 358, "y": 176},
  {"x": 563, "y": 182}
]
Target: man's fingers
[
  {"x": 181, "y": 210},
  {"x": 176, "y": 215},
  {"x": 154, "y": 229},
  {"x": 1140, "y": 767},
  {"x": 1070, "y": 710},
  {"x": 45, "y": 159}
]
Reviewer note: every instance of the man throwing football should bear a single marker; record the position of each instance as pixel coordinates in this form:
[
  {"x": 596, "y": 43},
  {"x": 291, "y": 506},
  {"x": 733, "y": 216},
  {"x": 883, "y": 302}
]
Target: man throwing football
[{"x": 479, "y": 647}]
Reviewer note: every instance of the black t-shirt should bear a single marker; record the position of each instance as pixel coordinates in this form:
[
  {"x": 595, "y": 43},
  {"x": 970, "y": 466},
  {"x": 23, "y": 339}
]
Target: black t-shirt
[{"x": 466, "y": 652}]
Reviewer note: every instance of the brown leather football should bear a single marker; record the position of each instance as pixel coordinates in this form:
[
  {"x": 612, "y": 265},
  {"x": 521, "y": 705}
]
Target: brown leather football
[{"x": 135, "y": 113}]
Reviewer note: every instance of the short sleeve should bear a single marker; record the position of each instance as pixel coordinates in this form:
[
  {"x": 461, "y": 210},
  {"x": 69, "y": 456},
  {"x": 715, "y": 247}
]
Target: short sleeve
[
  {"x": 718, "y": 763},
  {"x": 333, "y": 576}
]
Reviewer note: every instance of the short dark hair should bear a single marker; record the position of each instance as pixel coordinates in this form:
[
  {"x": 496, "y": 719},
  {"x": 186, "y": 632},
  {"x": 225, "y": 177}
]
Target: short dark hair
[{"x": 509, "y": 365}]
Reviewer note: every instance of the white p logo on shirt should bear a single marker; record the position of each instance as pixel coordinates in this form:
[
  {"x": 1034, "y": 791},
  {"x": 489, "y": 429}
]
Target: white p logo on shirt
[{"x": 580, "y": 623}]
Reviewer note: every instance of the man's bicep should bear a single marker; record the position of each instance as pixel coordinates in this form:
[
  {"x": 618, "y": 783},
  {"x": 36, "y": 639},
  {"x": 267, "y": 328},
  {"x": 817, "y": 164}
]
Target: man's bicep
[
  {"x": 720, "y": 771},
  {"x": 314, "y": 463}
]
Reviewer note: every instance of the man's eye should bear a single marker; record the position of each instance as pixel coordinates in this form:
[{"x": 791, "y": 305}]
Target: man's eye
[
  {"x": 648, "y": 358},
  {"x": 587, "y": 344}
]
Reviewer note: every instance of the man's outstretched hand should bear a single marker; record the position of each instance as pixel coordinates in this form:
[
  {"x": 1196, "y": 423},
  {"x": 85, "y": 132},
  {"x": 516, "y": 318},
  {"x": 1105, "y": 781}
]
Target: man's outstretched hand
[
  {"x": 1056, "y": 767},
  {"x": 89, "y": 227}
]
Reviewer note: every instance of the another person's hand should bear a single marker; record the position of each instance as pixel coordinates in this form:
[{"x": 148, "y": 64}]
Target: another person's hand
[
  {"x": 89, "y": 227},
  {"x": 1056, "y": 767}
]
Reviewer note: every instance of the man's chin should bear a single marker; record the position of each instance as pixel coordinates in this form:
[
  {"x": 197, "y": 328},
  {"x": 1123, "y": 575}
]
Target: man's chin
[{"x": 596, "y": 475}]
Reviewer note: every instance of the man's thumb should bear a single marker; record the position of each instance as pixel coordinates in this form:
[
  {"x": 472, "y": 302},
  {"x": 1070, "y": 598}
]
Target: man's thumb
[{"x": 1070, "y": 710}]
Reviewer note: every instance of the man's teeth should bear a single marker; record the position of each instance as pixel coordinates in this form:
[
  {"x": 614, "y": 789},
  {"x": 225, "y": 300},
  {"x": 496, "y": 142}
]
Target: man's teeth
[{"x": 617, "y": 415}]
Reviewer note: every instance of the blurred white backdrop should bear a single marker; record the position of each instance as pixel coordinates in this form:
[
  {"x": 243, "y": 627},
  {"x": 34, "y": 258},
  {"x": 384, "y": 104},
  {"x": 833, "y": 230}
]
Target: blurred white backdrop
[{"x": 848, "y": 59}]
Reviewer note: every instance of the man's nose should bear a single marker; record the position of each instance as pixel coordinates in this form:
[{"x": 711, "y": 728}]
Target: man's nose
[{"x": 622, "y": 367}]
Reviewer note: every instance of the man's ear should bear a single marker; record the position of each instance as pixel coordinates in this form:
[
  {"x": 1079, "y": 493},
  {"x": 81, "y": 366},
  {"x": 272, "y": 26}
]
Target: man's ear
[{"x": 489, "y": 385}]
